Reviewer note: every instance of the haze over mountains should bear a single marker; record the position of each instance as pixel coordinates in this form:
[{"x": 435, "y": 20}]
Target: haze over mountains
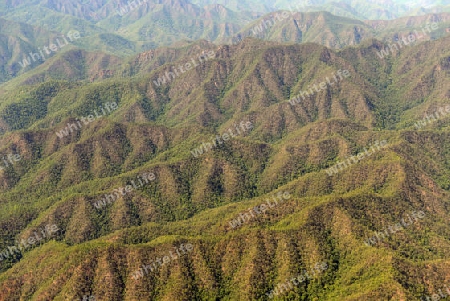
[
  {"x": 29, "y": 27},
  {"x": 125, "y": 148}
]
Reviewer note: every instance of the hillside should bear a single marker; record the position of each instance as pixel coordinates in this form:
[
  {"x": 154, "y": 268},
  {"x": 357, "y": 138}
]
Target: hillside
[
  {"x": 195, "y": 198},
  {"x": 128, "y": 41},
  {"x": 17, "y": 40},
  {"x": 356, "y": 9},
  {"x": 339, "y": 32}
]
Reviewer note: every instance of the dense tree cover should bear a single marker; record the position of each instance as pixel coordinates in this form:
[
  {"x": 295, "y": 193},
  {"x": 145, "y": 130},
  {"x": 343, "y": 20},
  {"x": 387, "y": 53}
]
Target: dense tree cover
[{"x": 193, "y": 199}]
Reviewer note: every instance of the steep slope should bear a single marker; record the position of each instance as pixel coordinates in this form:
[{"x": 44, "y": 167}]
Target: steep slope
[
  {"x": 196, "y": 197},
  {"x": 17, "y": 40},
  {"x": 24, "y": 47},
  {"x": 127, "y": 30}
]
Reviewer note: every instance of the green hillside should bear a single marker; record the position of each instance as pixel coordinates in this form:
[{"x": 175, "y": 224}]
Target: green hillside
[{"x": 196, "y": 198}]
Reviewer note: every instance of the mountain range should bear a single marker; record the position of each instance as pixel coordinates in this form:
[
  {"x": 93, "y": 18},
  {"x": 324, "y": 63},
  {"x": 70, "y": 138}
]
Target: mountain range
[
  {"x": 28, "y": 28},
  {"x": 219, "y": 151}
]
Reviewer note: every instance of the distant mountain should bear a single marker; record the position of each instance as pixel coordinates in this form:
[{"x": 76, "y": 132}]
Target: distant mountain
[
  {"x": 338, "y": 32},
  {"x": 429, "y": 10},
  {"x": 317, "y": 27},
  {"x": 136, "y": 27},
  {"x": 24, "y": 47},
  {"x": 124, "y": 30},
  {"x": 166, "y": 22},
  {"x": 141, "y": 28},
  {"x": 358, "y": 9},
  {"x": 17, "y": 41},
  {"x": 80, "y": 65}
]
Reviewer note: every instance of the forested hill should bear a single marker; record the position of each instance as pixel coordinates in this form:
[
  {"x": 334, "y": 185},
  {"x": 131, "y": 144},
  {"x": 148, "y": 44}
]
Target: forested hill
[{"x": 125, "y": 170}]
